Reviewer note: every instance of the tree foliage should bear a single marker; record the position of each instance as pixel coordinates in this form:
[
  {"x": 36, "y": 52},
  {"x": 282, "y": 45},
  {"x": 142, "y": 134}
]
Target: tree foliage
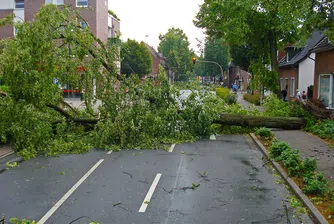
[
  {"x": 242, "y": 56},
  {"x": 174, "y": 45},
  {"x": 264, "y": 25},
  {"x": 320, "y": 16},
  {"x": 136, "y": 58},
  {"x": 133, "y": 115},
  {"x": 215, "y": 50}
]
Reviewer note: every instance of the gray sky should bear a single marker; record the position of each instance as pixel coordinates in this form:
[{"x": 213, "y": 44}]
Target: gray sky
[{"x": 153, "y": 17}]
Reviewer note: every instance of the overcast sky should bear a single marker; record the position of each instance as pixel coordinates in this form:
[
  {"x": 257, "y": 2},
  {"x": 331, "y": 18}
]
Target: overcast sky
[{"x": 153, "y": 17}]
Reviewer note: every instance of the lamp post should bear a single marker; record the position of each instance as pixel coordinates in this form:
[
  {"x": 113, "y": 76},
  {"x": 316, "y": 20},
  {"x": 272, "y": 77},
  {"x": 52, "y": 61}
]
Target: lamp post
[{"x": 221, "y": 69}]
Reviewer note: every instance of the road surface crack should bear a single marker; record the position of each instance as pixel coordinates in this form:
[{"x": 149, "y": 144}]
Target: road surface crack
[{"x": 127, "y": 174}]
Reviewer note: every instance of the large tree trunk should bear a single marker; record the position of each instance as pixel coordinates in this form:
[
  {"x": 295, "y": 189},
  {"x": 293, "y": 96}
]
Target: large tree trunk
[{"x": 290, "y": 123}]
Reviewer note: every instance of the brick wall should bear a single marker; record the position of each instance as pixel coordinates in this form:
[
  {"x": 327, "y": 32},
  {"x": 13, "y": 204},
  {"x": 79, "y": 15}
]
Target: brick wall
[
  {"x": 6, "y": 31},
  {"x": 289, "y": 73},
  {"x": 87, "y": 14},
  {"x": 102, "y": 19},
  {"x": 31, "y": 7},
  {"x": 324, "y": 64}
]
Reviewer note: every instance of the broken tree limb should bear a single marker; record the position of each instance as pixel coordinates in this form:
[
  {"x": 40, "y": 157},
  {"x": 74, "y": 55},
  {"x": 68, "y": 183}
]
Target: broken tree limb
[{"x": 289, "y": 123}]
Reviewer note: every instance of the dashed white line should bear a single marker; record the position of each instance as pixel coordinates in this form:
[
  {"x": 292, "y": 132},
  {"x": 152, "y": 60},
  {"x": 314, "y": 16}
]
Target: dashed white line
[
  {"x": 108, "y": 153},
  {"x": 213, "y": 137},
  {"x": 68, "y": 194},
  {"x": 150, "y": 193},
  {"x": 171, "y": 148}
]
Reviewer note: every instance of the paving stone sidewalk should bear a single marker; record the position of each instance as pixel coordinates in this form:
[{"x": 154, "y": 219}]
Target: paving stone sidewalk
[
  {"x": 308, "y": 145},
  {"x": 247, "y": 104},
  {"x": 5, "y": 150},
  {"x": 311, "y": 146}
]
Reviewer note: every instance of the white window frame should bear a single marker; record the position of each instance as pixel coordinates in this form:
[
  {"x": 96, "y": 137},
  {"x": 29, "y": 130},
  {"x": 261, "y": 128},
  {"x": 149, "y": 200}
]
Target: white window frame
[
  {"x": 20, "y": 4},
  {"x": 81, "y": 5},
  {"x": 292, "y": 87},
  {"x": 56, "y": 2},
  {"x": 331, "y": 89},
  {"x": 281, "y": 83}
]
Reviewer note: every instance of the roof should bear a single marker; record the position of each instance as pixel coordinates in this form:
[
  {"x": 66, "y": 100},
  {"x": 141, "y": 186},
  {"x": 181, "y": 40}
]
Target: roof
[
  {"x": 304, "y": 52},
  {"x": 324, "y": 45},
  {"x": 154, "y": 52}
]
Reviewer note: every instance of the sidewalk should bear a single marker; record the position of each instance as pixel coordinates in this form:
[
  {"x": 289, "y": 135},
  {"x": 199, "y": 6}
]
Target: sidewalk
[
  {"x": 5, "y": 150},
  {"x": 308, "y": 145},
  {"x": 247, "y": 104},
  {"x": 311, "y": 146}
]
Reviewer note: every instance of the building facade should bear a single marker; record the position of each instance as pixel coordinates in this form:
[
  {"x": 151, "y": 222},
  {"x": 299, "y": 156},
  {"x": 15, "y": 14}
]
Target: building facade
[
  {"x": 296, "y": 68},
  {"x": 25, "y": 10},
  {"x": 324, "y": 73}
]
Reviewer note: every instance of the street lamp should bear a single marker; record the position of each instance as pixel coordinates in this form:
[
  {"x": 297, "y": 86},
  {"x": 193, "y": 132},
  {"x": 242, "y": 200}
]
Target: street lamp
[{"x": 221, "y": 69}]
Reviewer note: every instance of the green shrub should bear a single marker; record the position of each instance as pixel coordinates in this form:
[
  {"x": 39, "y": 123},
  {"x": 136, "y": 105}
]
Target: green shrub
[
  {"x": 291, "y": 160},
  {"x": 309, "y": 166},
  {"x": 316, "y": 185},
  {"x": 223, "y": 93},
  {"x": 232, "y": 99},
  {"x": 254, "y": 99},
  {"x": 324, "y": 129},
  {"x": 265, "y": 133},
  {"x": 275, "y": 107},
  {"x": 277, "y": 148}
]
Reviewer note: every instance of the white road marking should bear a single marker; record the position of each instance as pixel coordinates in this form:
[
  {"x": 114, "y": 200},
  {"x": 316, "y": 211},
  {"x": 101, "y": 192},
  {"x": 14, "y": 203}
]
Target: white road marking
[
  {"x": 150, "y": 193},
  {"x": 171, "y": 148},
  {"x": 212, "y": 137},
  {"x": 68, "y": 194},
  {"x": 109, "y": 152}
]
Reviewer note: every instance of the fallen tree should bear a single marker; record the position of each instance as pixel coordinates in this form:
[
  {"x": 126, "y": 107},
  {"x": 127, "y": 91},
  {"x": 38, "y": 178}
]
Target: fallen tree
[{"x": 289, "y": 123}]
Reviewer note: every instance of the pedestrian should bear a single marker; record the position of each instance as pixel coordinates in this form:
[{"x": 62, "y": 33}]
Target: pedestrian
[
  {"x": 221, "y": 79},
  {"x": 298, "y": 95},
  {"x": 235, "y": 87},
  {"x": 304, "y": 96},
  {"x": 284, "y": 94}
]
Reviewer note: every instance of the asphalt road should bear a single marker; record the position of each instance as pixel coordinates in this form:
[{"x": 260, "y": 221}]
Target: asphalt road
[{"x": 209, "y": 181}]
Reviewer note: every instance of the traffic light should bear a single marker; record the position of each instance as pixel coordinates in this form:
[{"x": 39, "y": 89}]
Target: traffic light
[{"x": 194, "y": 60}]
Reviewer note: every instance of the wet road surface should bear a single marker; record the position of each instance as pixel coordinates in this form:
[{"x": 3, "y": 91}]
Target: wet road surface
[{"x": 208, "y": 181}]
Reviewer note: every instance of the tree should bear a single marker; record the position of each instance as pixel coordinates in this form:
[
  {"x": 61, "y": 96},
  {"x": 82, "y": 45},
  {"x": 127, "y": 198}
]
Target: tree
[
  {"x": 242, "y": 56},
  {"x": 320, "y": 16},
  {"x": 263, "y": 24},
  {"x": 216, "y": 51},
  {"x": 174, "y": 45},
  {"x": 136, "y": 58}
]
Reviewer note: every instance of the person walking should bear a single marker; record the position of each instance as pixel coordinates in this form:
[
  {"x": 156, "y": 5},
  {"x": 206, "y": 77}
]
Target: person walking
[
  {"x": 284, "y": 94},
  {"x": 298, "y": 95},
  {"x": 235, "y": 87}
]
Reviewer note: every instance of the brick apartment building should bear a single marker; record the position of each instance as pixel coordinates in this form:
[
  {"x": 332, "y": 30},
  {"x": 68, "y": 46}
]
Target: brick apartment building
[{"x": 103, "y": 25}]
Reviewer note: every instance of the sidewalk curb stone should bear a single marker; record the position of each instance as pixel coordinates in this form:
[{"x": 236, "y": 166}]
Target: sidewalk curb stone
[{"x": 314, "y": 211}]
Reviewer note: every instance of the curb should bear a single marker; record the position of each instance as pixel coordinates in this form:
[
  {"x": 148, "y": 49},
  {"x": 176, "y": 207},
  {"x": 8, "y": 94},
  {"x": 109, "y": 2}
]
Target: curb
[
  {"x": 314, "y": 211},
  {"x": 6, "y": 154}
]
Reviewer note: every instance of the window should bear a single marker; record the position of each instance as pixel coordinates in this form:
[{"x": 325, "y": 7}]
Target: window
[
  {"x": 326, "y": 90},
  {"x": 16, "y": 30},
  {"x": 19, "y": 4},
  {"x": 57, "y": 2},
  {"x": 82, "y": 3},
  {"x": 286, "y": 84},
  {"x": 281, "y": 84},
  {"x": 292, "y": 87}
]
